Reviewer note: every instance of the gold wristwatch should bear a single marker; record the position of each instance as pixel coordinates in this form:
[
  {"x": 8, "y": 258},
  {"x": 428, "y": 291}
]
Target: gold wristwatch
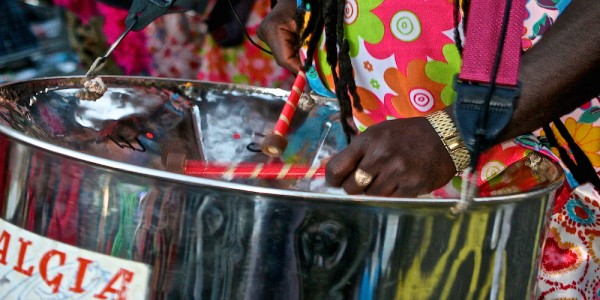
[{"x": 446, "y": 130}]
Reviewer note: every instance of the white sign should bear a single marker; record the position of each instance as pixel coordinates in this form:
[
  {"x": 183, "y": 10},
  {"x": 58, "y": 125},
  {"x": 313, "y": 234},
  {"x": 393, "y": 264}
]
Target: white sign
[{"x": 35, "y": 267}]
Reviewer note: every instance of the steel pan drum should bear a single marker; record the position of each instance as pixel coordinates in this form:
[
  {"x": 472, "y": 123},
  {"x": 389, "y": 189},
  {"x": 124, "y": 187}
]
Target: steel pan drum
[{"x": 87, "y": 179}]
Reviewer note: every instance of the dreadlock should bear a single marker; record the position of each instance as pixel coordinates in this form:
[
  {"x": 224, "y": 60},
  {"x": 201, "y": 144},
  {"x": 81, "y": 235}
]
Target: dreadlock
[
  {"x": 330, "y": 14},
  {"x": 457, "y": 8}
]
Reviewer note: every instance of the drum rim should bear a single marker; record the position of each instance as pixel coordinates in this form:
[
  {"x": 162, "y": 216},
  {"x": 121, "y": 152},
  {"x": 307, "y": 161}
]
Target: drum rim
[{"x": 219, "y": 184}]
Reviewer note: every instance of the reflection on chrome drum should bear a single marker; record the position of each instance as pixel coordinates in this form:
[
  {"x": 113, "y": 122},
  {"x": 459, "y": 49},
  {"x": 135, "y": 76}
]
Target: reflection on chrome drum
[{"x": 93, "y": 175}]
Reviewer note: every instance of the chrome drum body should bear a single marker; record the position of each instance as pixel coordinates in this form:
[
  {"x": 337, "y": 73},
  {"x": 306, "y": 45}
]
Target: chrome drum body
[{"x": 91, "y": 174}]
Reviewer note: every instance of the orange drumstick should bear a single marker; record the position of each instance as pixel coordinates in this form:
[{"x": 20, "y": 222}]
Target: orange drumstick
[{"x": 275, "y": 142}]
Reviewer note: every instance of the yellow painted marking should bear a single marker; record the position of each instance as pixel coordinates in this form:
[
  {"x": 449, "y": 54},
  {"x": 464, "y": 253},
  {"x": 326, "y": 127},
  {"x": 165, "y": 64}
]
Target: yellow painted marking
[{"x": 445, "y": 270}]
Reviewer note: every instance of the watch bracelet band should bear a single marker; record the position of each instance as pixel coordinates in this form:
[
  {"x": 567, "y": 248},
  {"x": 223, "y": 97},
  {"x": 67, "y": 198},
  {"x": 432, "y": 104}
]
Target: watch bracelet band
[{"x": 450, "y": 137}]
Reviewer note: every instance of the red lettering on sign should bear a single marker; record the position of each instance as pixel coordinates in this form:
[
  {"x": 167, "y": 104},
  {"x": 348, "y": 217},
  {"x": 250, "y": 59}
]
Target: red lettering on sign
[
  {"x": 126, "y": 275},
  {"x": 54, "y": 282},
  {"x": 83, "y": 263},
  {"x": 21, "y": 259},
  {"x": 4, "y": 241}
]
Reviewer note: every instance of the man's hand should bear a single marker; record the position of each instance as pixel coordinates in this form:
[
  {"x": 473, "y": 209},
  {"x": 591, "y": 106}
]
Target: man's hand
[
  {"x": 405, "y": 157},
  {"x": 279, "y": 31}
]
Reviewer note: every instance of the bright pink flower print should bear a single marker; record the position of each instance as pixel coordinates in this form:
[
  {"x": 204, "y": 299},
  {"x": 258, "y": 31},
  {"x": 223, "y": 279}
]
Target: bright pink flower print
[{"x": 414, "y": 29}]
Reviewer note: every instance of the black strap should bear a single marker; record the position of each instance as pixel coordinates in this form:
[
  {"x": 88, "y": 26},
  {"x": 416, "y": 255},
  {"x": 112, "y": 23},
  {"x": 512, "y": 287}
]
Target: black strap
[
  {"x": 144, "y": 12},
  {"x": 582, "y": 168}
]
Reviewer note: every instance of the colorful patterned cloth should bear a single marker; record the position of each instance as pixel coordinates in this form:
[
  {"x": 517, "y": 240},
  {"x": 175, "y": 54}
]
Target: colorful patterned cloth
[
  {"x": 405, "y": 59},
  {"x": 244, "y": 64},
  {"x": 97, "y": 26},
  {"x": 180, "y": 46}
]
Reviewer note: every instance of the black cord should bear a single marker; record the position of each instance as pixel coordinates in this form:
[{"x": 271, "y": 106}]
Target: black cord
[
  {"x": 239, "y": 20},
  {"x": 456, "y": 16},
  {"x": 480, "y": 131},
  {"x": 584, "y": 165},
  {"x": 564, "y": 156}
]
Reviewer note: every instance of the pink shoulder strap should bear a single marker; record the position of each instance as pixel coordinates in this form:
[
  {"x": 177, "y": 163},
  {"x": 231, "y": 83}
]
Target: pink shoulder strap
[{"x": 484, "y": 31}]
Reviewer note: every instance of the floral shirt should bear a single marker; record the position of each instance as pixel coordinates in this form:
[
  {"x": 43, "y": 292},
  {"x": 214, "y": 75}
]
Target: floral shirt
[{"x": 405, "y": 61}]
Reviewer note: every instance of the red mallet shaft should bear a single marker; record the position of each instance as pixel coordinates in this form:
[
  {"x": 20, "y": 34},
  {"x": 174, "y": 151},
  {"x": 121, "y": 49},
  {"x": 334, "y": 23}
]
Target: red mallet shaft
[
  {"x": 251, "y": 170},
  {"x": 177, "y": 163},
  {"x": 275, "y": 142}
]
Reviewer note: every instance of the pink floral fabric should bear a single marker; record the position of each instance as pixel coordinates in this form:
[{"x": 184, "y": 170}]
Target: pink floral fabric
[
  {"x": 179, "y": 46},
  {"x": 84, "y": 9},
  {"x": 129, "y": 55},
  {"x": 174, "y": 42},
  {"x": 244, "y": 64}
]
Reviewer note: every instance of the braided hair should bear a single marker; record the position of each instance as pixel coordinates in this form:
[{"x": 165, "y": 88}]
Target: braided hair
[{"x": 329, "y": 14}]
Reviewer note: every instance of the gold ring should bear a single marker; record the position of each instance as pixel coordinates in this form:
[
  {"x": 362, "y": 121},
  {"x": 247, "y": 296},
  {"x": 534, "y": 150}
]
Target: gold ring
[{"x": 362, "y": 178}]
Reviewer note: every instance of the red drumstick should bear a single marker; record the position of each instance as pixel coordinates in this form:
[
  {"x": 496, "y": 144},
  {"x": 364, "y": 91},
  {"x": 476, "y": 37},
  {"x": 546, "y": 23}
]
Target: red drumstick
[
  {"x": 177, "y": 163},
  {"x": 251, "y": 170},
  {"x": 275, "y": 142}
]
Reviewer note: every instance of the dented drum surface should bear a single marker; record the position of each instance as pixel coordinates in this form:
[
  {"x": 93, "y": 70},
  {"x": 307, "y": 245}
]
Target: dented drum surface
[{"x": 88, "y": 209}]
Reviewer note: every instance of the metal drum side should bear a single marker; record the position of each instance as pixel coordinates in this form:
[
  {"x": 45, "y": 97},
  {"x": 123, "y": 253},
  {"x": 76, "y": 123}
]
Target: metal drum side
[{"x": 211, "y": 239}]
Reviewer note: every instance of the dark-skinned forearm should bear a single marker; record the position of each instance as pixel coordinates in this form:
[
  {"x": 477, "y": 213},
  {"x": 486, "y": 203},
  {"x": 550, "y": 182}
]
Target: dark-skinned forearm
[{"x": 561, "y": 72}]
